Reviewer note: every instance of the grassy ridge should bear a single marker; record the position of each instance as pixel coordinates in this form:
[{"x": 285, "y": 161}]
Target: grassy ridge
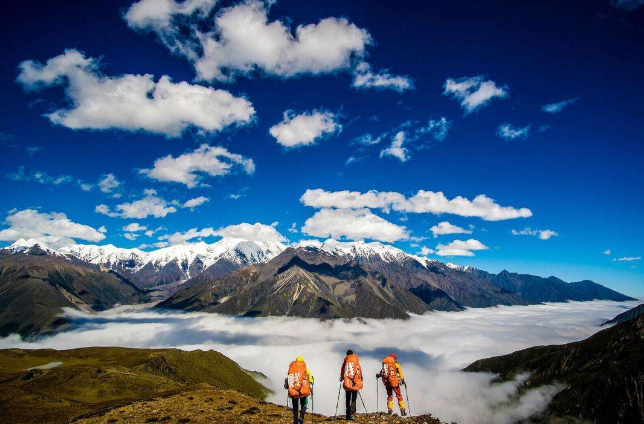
[{"x": 93, "y": 378}]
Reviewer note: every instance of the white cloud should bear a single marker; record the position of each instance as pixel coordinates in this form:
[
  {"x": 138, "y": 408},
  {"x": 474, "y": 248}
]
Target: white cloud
[
  {"x": 426, "y": 251},
  {"x": 38, "y": 177},
  {"x": 368, "y": 139},
  {"x": 473, "y": 92},
  {"x": 54, "y": 228},
  {"x": 131, "y": 102},
  {"x": 396, "y": 149},
  {"x": 543, "y": 234},
  {"x": 253, "y": 232},
  {"x": 558, "y": 107},
  {"x": 432, "y": 348},
  {"x": 354, "y": 224},
  {"x": 510, "y": 132},
  {"x": 446, "y": 228},
  {"x": 108, "y": 183},
  {"x": 606, "y": 252},
  {"x": 364, "y": 77},
  {"x": 627, "y": 259},
  {"x": 422, "y": 202},
  {"x": 193, "y": 203},
  {"x": 241, "y": 40},
  {"x": 157, "y": 245},
  {"x": 437, "y": 128},
  {"x": 460, "y": 248},
  {"x": 131, "y": 236},
  {"x": 293, "y": 228},
  {"x": 135, "y": 227},
  {"x": 304, "y": 129},
  {"x": 149, "y": 205},
  {"x": 188, "y": 168},
  {"x": 627, "y": 5}
]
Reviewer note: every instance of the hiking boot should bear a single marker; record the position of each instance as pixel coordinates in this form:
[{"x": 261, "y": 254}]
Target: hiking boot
[
  {"x": 403, "y": 412},
  {"x": 390, "y": 411}
]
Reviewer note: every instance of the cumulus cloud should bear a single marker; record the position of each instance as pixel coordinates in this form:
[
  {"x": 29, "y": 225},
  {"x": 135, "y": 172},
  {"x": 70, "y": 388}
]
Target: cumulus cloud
[
  {"x": 53, "y": 229},
  {"x": 396, "y": 149},
  {"x": 193, "y": 203},
  {"x": 38, "y": 177},
  {"x": 293, "y": 228},
  {"x": 473, "y": 92},
  {"x": 460, "y": 248},
  {"x": 253, "y": 232},
  {"x": 241, "y": 40},
  {"x": 131, "y": 102},
  {"x": 510, "y": 132},
  {"x": 606, "y": 252},
  {"x": 431, "y": 348},
  {"x": 135, "y": 227},
  {"x": 423, "y": 201},
  {"x": 627, "y": 259},
  {"x": 304, "y": 129},
  {"x": 558, "y": 107},
  {"x": 437, "y": 128},
  {"x": 426, "y": 251},
  {"x": 190, "y": 167},
  {"x": 364, "y": 77},
  {"x": 149, "y": 205},
  {"x": 542, "y": 234},
  {"x": 353, "y": 224},
  {"x": 108, "y": 183},
  {"x": 443, "y": 228}
]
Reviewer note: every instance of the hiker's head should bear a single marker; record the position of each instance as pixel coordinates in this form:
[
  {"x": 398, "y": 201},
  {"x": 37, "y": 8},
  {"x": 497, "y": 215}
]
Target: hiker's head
[
  {"x": 349, "y": 352},
  {"x": 393, "y": 355},
  {"x": 299, "y": 359}
]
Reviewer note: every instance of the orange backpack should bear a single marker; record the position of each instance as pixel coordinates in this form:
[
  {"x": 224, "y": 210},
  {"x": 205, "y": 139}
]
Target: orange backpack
[
  {"x": 352, "y": 374},
  {"x": 389, "y": 372},
  {"x": 298, "y": 380}
]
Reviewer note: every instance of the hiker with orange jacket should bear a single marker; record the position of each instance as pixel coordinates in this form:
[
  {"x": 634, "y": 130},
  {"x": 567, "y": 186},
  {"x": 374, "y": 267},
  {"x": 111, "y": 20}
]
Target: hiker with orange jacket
[
  {"x": 351, "y": 377},
  {"x": 392, "y": 377},
  {"x": 299, "y": 383}
]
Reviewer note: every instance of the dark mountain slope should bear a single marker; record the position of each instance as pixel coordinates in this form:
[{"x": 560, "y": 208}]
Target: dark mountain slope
[
  {"x": 603, "y": 375},
  {"x": 35, "y": 288},
  {"x": 308, "y": 284},
  {"x": 625, "y": 316}
]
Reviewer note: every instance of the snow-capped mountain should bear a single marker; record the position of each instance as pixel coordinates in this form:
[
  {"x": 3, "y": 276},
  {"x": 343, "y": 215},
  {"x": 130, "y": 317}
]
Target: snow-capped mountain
[
  {"x": 360, "y": 250},
  {"x": 165, "y": 265}
]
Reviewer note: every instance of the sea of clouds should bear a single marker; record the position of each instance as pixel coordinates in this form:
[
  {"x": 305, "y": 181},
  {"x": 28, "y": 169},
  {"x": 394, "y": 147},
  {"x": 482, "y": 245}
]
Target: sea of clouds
[{"x": 431, "y": 348}]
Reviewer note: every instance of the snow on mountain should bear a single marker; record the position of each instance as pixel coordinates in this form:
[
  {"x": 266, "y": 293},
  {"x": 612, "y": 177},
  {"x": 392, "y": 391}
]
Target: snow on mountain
[
  {"x": 363, "y": 250},
  {"x": 238, "y": 251}
]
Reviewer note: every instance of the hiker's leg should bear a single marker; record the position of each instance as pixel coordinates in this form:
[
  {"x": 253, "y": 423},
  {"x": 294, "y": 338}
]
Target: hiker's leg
[
  {"x": 354, "y": 399},
  {"x": 401, "y": 402},
  {"x": 304, "y": 404},
  {"x": 295, "y": 402},
  {"x": 347, "y": 402},
  {"x": 390, "y": 399}
]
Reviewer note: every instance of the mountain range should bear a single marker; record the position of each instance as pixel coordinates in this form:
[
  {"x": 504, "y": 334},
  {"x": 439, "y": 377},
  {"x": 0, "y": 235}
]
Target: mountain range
[
  {"x": 241, "y": 277},
  {"x": 371, "y": 280}
]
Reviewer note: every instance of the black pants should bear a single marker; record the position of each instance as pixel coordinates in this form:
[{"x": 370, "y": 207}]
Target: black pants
[
  {"x": 350, "y": 399},
  {"x": 300, "y": 404}
]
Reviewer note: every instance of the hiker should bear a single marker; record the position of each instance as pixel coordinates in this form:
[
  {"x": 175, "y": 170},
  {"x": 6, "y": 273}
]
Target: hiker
[
  {"x": 299, "y": 383},
  {"x": 351, "y": 377},
  {"x": 392, "y": 377}
]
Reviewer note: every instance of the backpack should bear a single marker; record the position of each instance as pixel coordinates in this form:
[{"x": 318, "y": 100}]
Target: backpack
[
  {"x": 389, "y": 373},
  {"x": 298, "y": 380},
  {"x": 352, "y": 374}
]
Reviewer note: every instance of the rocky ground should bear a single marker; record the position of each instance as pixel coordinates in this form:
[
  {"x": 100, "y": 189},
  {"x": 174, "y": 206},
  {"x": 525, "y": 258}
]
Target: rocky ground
[{"x": 208, "y": 405}]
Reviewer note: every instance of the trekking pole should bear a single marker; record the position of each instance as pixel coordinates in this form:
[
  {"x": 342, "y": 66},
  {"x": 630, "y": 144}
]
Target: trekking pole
[
  {"x": 377, "y": 400},
  {"x": 363, "y": 405},
  {"x": 338, "y": 402},
  {"x": 313, "y": 400},
  {"x": 407, "y": 395}
]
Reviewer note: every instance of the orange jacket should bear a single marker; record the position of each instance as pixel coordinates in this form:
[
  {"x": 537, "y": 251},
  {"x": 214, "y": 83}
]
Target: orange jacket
[
  {"x": 351, "y": 374},
  {"x": 391, "y": 372}
]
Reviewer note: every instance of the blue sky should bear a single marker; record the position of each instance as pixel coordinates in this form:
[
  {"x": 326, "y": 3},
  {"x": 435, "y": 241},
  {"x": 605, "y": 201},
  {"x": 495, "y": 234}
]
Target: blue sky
[{"x": 452, "y": 97}]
